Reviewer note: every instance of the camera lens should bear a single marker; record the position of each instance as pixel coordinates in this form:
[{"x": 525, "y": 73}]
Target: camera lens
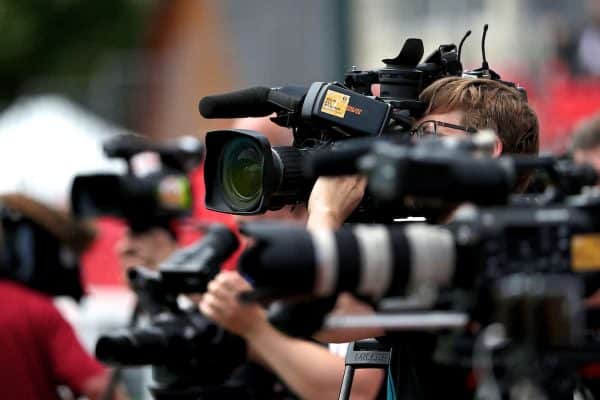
[{"x": 241, "y": 175}]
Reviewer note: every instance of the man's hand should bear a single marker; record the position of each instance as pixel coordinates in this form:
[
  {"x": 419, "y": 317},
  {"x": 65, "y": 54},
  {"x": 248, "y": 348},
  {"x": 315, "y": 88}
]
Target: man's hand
[
  {"x": 309, "y": 370},
  {"x": 332, "y": 200},
  {"x": 95, "y": 388},
  {"x": 220, "y": 304}
]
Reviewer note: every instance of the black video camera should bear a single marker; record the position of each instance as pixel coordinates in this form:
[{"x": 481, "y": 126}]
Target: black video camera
[
  {"x": 245, "y": 175},
  {"x": 153, "y": 199},
  {"x": 34, "y": 257},
  {"x": 191, "y": 356}
]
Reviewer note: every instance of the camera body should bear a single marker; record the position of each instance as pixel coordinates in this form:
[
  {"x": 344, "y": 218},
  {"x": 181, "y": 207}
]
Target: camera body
[
  {"x": 189, "y": 355},
  {"x": 144, "y": 201},
  {"x": 245, "y": 175}
]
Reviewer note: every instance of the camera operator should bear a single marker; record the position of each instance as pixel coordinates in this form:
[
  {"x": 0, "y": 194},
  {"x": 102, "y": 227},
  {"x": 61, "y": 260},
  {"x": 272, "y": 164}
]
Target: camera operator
[
  {"x": 39, "y": 348},
  {"x": 585, "y": 149},
  {"x": 309, "y": 369},
  {"x": 456, "y": 107},
  {"x": 585, "y": 142}
]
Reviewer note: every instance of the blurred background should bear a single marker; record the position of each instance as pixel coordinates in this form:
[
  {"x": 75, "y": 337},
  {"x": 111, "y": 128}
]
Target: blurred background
[
  {"x": 73, "y": 73},
  {"x": 143, "y": 64}
]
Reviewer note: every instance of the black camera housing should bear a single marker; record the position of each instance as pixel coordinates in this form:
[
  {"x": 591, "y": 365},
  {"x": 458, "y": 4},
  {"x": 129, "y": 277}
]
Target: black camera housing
[
  {"x": 191, "y": 357},
  {"x": 143, "y": 202},
  {"x": 32, "y": 256},
  {"x": 189, "y": 269},
  {"x": 154, "y": 199},
  {"x": 320, "y": 115}
]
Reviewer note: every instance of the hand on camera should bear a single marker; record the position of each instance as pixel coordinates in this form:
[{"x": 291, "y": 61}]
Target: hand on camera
[
  {"x": 220, "y": 303},
  {"x": 332, "y": 200}
]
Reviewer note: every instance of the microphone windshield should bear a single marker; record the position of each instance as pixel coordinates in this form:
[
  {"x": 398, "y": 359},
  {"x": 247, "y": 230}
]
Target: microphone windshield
[{"x": 251, "y": 102}]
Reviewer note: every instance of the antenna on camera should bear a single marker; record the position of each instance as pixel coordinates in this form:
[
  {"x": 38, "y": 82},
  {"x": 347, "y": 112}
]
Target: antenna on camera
[
  {"x": 462, "y": 42},
  {"x": 484, "y": 64},
  {"x": 484, "y": 71}
]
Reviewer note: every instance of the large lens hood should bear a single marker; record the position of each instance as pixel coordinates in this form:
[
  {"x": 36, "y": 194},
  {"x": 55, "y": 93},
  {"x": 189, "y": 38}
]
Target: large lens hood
[{"x": 216, "y": 142}]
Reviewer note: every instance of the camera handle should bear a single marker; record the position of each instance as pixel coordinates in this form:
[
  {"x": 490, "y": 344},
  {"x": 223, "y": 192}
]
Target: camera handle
[
  {"x": 368, "y": 353},
  {"x": 400, "y": 321}
]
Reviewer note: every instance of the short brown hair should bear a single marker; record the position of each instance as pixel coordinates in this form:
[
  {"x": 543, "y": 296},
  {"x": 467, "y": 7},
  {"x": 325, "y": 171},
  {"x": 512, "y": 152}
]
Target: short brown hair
[
  {"x": 77, "y": 235},
  {"x": 586, "y": 135},
  {"x": 488, "y": 104}
]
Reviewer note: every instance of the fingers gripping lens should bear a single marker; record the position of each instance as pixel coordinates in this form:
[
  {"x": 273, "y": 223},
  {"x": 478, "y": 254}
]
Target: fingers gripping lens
[{"x": 241, "y": 175}]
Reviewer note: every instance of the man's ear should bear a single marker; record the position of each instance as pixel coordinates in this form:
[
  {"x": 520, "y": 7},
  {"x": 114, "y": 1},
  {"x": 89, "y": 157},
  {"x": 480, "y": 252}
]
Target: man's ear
[
  {"x": 376, "y": 89},
  {"x": 498, "y": 147}
]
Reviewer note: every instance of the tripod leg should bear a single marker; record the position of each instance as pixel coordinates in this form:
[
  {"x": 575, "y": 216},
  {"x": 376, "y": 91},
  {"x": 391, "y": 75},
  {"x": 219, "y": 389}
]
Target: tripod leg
[
  {"x": 366, "y": 353},
  {"x": 346, "y": 383}
]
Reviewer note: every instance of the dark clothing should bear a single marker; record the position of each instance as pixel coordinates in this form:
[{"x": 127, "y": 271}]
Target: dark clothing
[
  {"x": 38, "y": 348},
  {"x": 419, "y": 377},
  {"x": 260, "y": 383}
]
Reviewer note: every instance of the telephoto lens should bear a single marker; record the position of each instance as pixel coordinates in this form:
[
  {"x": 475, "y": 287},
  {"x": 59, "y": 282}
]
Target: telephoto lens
[{"x": 374, "y": 261}]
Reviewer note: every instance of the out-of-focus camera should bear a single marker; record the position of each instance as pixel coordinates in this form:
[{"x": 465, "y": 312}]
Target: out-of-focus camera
[{"x": 144, "y": 200}]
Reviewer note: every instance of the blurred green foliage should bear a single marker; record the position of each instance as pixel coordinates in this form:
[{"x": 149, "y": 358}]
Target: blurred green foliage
[{"x": 64, "y": 39}]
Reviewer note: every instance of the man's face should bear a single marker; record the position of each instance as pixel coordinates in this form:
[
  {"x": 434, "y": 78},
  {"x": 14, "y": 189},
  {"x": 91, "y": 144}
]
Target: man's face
[
  {"x": 449, "y": 124},
  {"x": 147, "y": 249}
]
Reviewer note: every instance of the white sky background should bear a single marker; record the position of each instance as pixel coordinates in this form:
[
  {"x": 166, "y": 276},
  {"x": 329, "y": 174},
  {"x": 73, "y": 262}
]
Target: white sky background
[{"x": 45, "y": 141}]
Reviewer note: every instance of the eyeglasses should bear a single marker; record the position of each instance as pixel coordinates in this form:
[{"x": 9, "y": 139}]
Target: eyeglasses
[{"x": 429, "y": 127}]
